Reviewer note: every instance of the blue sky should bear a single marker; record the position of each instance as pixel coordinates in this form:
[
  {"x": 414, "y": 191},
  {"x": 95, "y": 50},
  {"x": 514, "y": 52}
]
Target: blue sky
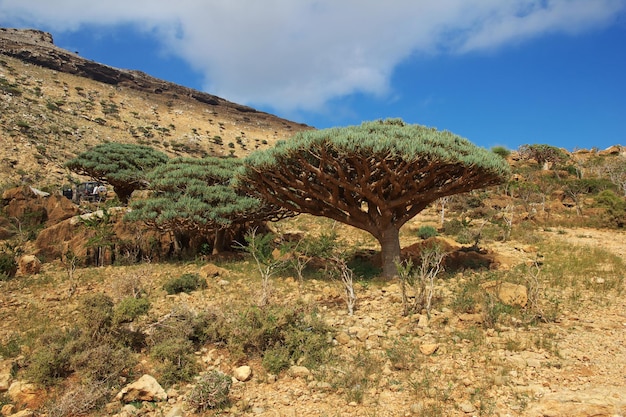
[{"x": 498, "y": 72}]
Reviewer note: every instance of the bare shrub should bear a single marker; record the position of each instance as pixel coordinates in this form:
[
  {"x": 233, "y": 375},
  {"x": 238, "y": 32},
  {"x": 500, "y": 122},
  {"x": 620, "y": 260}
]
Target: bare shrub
[
  {"x": 79, "y": 400},
  {"x": 210, "y": 391},
  {"x": 418, "y": 282},
  {"x": 341, "y": 272}
]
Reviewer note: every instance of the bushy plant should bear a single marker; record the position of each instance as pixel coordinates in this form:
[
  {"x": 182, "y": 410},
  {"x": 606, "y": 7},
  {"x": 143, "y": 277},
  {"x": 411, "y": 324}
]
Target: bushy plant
[
  {"x": 96, "y": 314},
  {"x": 615, "y": 206},
  {"x": 184, "y": 283},
  {"x": 501, "y": 151},
  {"x": 11, "y": 347},
  {"x": 51, "y": 360},
  {"x": 8, "y": 266},
  {"x": 129, "y": 309},
  {"x": 210, "y": 391},
  {"x": 174, "y": 339},
  {"x": 176, "y": 361},
  {"x": 280, "y": 335},
  {"x": 426, "y": 231}
]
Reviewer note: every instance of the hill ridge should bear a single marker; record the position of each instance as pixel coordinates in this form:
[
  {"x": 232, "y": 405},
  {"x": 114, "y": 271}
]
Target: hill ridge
[{"x": 37, "y": 47}]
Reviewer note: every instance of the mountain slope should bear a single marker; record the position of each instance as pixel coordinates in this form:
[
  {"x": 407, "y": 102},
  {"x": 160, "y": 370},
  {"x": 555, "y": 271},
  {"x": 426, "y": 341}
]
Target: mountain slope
[{"x": 55, "y": 104}]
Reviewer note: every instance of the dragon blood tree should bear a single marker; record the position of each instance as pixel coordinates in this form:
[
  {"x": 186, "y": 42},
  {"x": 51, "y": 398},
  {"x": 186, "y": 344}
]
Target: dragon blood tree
[
  {"x": 123, "y": 165},
  {"x": 196, "y": 195},
  {"x": 375, "y": 177}
]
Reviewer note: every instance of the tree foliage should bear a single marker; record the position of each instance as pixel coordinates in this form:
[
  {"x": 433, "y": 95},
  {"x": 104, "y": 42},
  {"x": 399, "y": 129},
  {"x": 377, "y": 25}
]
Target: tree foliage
[
  {"x": 375, "y": 176},
  {"x": 122, "y": 165},
  {"x": 191, "y": 194},
  {"x": 543, "y": 153}
]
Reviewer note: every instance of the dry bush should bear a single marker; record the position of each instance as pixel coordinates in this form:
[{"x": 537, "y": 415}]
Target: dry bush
[{"x": 78, "y": 400}]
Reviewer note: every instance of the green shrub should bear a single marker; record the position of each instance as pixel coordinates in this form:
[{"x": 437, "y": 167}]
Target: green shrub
[
  {"x": 210, "y": 391},
  {"x": 102, "y": 362},
  {"x": 185, "y": 283},
  {"x": 11, "y": 348},
  {"x": 129, "y": 309},
  {"x": 453, "y": 227},
  {"x": 51, "y": 360},
  {"x": 469, "y": 299},
  {"x": 280, "y": 335},
  {"x": 615, "y": 207},
  {"x": 177, "y": 361},
  {"x": 8, "y": 266},
  {"x": 96, "y": 312},
  {"x": 426, "y": 231},
  {"x": 276, "y": 358},
  {"x": 501, "y": 151}
]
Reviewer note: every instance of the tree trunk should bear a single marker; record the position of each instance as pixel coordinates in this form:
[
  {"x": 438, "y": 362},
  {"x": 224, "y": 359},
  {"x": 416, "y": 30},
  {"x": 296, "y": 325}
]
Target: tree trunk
[
  {"x": 390, "y": 250},
  {"x": 218, "y": 241}
]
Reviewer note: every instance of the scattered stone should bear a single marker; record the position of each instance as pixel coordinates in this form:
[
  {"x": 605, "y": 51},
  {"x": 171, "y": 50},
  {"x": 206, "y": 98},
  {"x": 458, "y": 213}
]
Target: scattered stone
[
  {"x": 342, "y": 338},
  {"x": 423, "y": 321},
  {"x": 508, "y": 293},
  {"x": 467, "y": 407},
  {"x": 211, "y": 271},
  {"x": 428, "y": 348},
  {"x": 299, "y": 372},
  {"x": 242, "y": 373},
  {"x": 5, "y": 375},
  {"x": 145, "y": 388},
  {"x": 22, "y": 392},
  {"x": 471, "y": 317},
  {"x": 7, "y": 409},
  {"x": 28, "y": 265},
  {"x": 176, "y": 411},
  {"x": 24, "y": 413}
]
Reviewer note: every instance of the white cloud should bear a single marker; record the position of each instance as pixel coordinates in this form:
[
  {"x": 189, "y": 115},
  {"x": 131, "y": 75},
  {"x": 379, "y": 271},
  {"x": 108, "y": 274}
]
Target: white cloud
[{"x": 299, "y": 54}]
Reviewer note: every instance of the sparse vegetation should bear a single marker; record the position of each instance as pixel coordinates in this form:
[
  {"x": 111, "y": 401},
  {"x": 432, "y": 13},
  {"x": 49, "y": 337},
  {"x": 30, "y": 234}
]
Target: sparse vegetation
[
  {"x": 184, "y": 283},
  {"x": 80, "y": 333},
  {"x": 210, "y": 391}
]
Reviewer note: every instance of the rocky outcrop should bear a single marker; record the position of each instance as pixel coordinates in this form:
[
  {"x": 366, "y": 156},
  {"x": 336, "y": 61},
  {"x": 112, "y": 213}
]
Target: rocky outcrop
[
  {"x": 37, "y": 47},
  {"x": 145, "y": 388},
  {"x": 28, "y": 265},
  {"x": 32, "y": 207}
]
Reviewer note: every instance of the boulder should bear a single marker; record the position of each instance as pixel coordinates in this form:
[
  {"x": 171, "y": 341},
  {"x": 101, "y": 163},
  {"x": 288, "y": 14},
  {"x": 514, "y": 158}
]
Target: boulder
[
  {"x": 145, "y": 388},
  {"x": 59, "y": 208},
  {"x": 212, "y": 270},
  {"x": 23, "y": 393},
  {"x": 508, "y": 293},
  {"x": 33, "y": 207},
  {"x": 299, "y": 371},
  {"x": 428, "y": 348},
  {"x": 28, "y": 265},
  {"x": 243, "y": 373},
  {"x": 5, "y": 375}
]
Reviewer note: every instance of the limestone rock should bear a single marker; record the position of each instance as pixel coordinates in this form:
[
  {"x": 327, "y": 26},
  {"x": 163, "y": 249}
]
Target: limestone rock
[
  {"x": 243, "y": 373},
  {"x": 211, "y": 270},
  {"x": 5, "y": 375},
  {"x": 508, "y": 293},
  {"x": 145, "y": 388},
  {"x": 28, "y": 265},
  {"x": 299, "y": 371},
  {"x": 467, "y": 407},
  {"x": 22, "y": 392},
  {"x": 24, "y": 413},
  {"x": 342, "y": 338},
  {"x": 428, "y": 348}
]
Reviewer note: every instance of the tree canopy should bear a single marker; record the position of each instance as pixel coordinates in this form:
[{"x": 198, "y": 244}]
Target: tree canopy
[
  {"x": 191, "y": 194},
  {"x": 543, "y": 153},
  {"x": 122, "y": 165},
  {"x": 375, "y": 176}
]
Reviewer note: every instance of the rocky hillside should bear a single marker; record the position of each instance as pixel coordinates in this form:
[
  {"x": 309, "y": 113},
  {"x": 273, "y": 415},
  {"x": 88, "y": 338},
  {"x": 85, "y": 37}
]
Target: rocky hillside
[
  {"x": 55, "y": 104},
  {"x": 99, "y": 317}
]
